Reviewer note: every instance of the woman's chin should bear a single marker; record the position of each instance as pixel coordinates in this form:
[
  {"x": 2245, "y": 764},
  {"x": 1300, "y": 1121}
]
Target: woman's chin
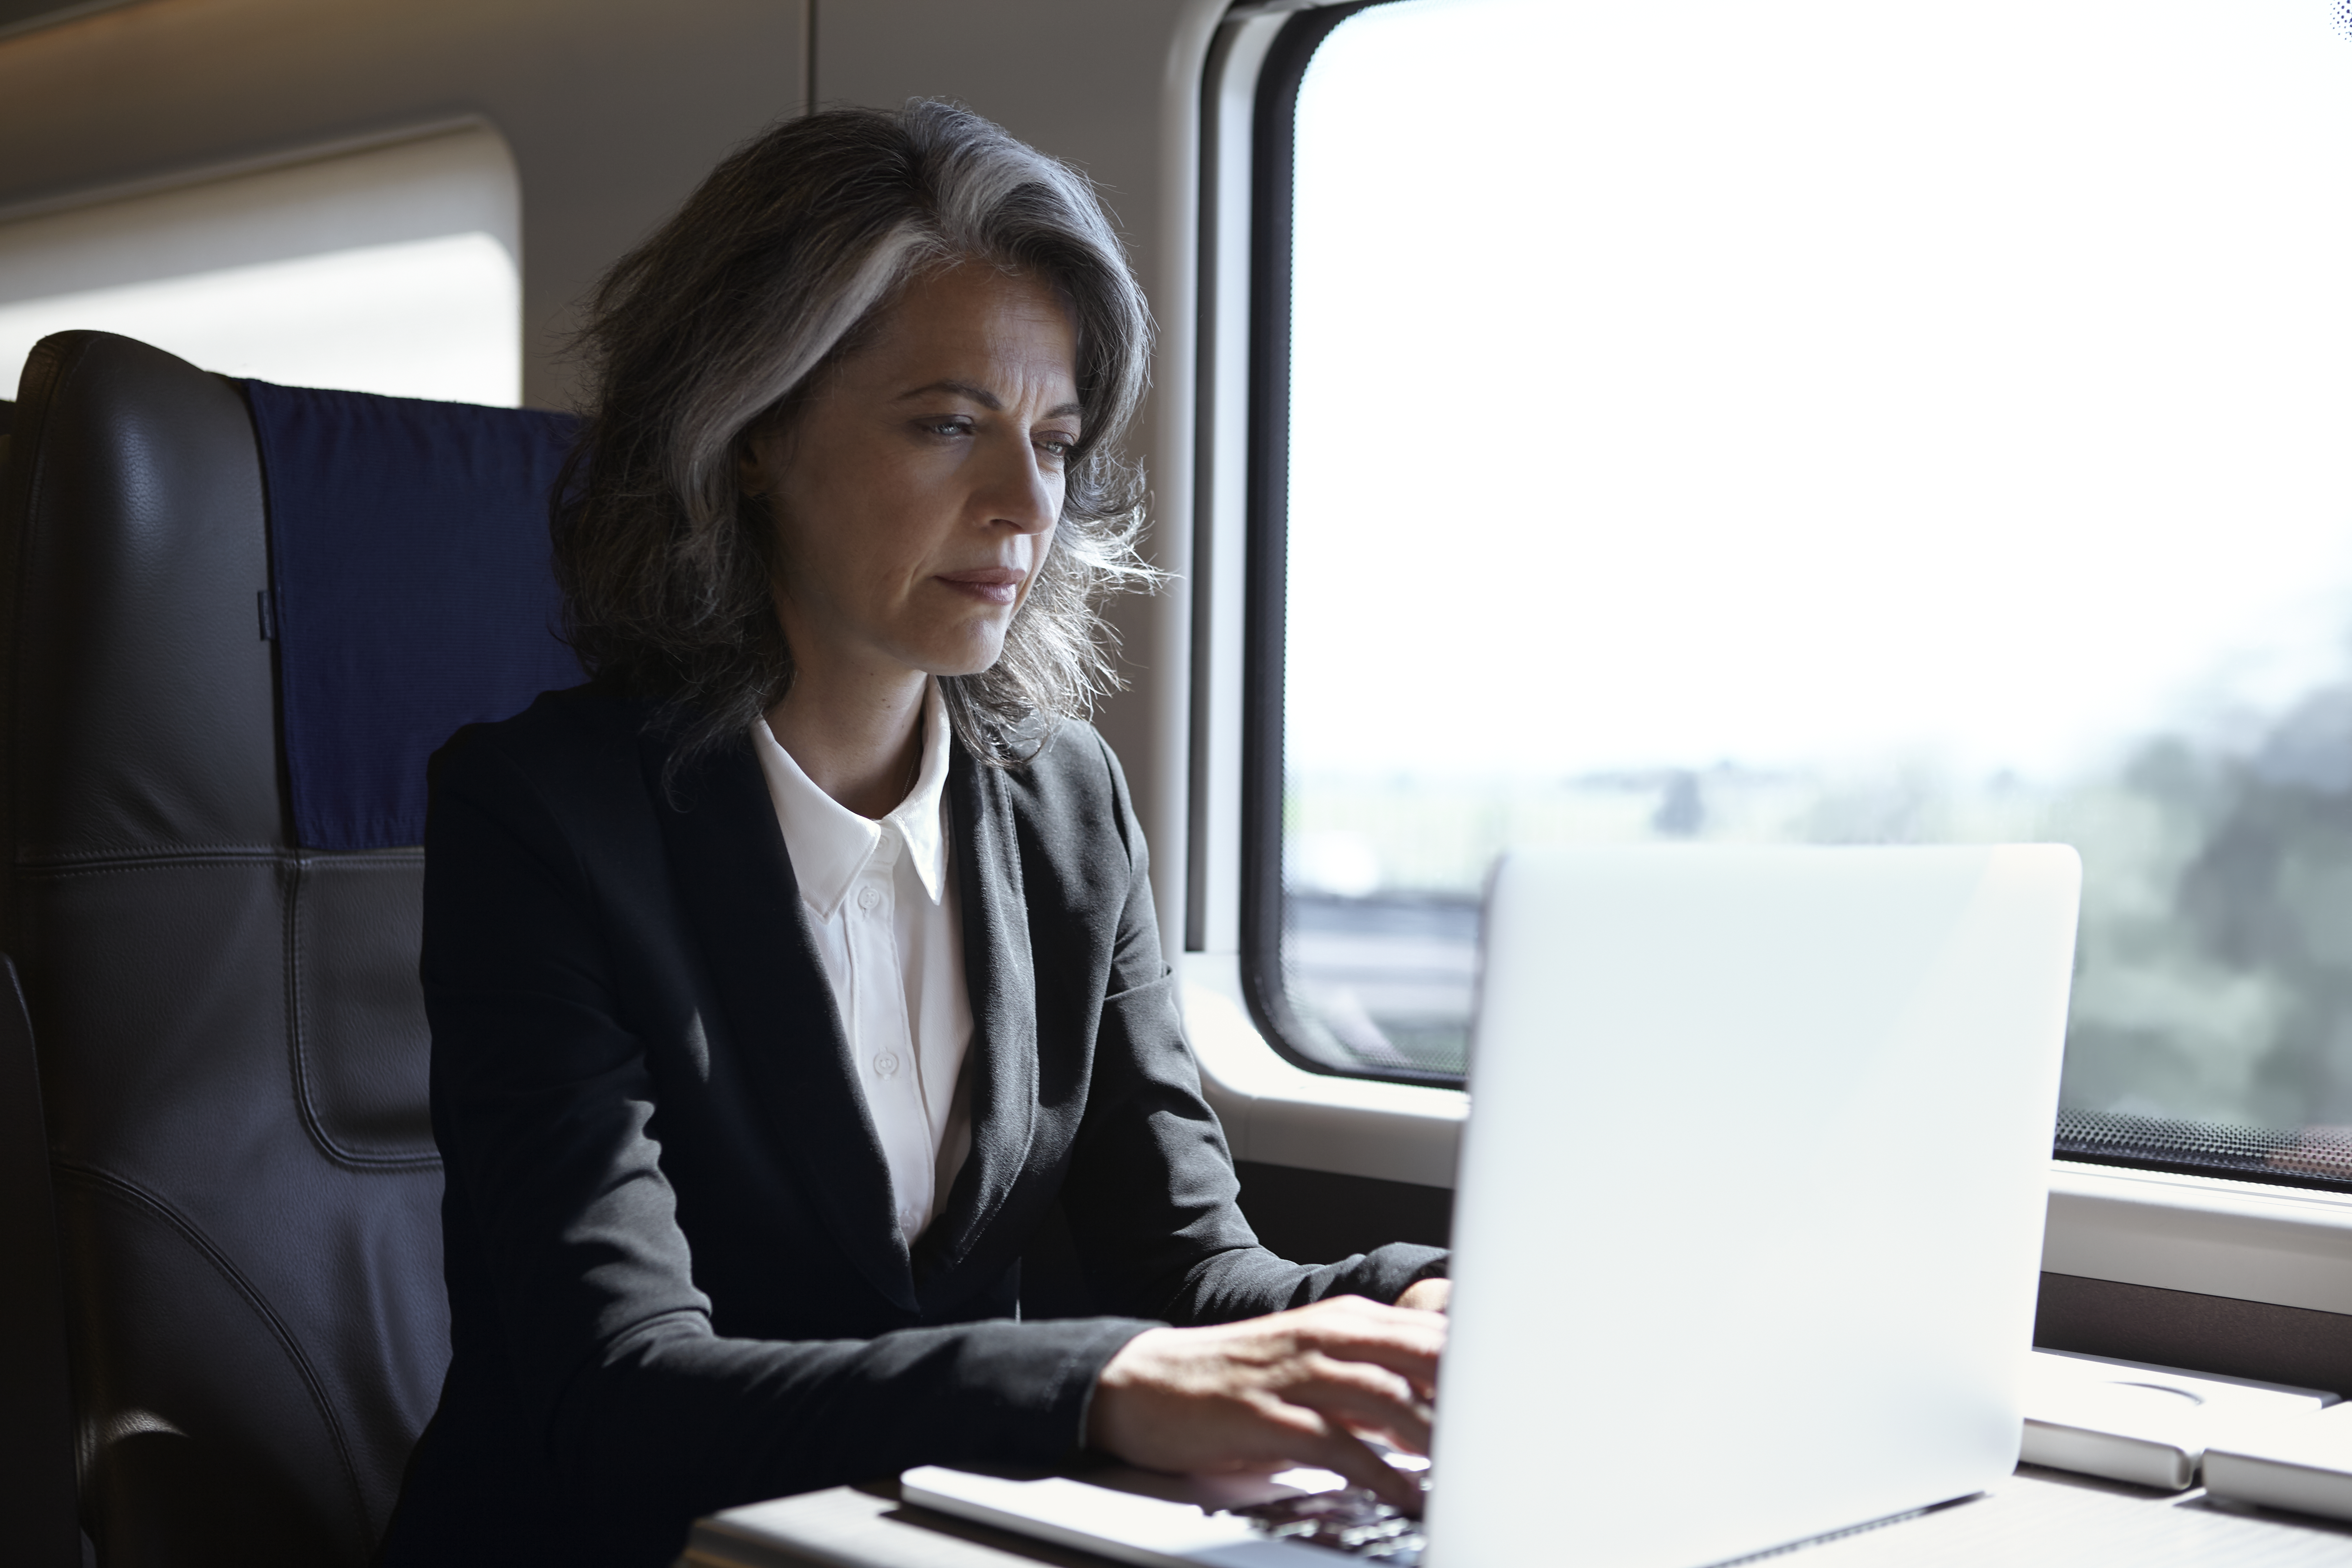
[{"x": 974, "y": 653}]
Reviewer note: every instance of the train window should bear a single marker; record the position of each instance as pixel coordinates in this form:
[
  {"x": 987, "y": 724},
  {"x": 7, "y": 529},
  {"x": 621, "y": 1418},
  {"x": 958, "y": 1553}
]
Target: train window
[
  {"x": 391, "y": 269},
  {"x": 1827, "y": 422}
]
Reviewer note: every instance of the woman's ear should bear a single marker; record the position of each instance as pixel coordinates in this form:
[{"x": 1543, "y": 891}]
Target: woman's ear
[
  {"x": 761, "y": 453},
  {"x": 750, "y": 467}
]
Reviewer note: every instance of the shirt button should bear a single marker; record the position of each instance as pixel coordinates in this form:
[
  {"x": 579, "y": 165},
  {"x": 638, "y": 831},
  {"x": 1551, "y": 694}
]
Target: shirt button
[
  {"x": 909, "y": 1221},
  {"x": 869, "y": 899},
  {"x": 886, "y": 1064}
]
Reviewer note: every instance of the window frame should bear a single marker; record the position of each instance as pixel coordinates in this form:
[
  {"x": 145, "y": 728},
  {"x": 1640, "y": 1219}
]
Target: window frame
[
  {"x": 2203, "y": 1244},
  {"x": 1259, "y": 54},
  {"x": 1273, "y": 1109},
  {"x": 1272, "y": 162}
]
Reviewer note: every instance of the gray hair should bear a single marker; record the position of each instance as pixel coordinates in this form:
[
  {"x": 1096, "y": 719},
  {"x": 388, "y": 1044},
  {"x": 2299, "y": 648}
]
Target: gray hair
[{"x": 726, "y": 319}]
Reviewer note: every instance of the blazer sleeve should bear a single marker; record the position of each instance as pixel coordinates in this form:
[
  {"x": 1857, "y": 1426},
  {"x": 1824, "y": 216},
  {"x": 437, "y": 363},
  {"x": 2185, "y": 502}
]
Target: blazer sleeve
[
  {"x": 544, "y": 1107},
  {"x": 1152, "y": 1197}
]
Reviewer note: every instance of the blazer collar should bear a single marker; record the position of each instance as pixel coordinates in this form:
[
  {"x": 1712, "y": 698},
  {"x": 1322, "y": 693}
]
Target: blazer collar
[
  {"x": 736, "y": 881},
  {"x": 1001, "y": 1063},
  {"x": 736, "y": 878}
]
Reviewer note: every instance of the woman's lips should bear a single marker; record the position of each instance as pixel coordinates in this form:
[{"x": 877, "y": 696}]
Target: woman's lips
[{"x": 990, "y": 584}]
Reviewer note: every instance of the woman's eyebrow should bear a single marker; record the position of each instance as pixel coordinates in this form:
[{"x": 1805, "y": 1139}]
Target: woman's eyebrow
[
  {"x": 978, "y": 394},
  {"x": 982, "y": 396}
]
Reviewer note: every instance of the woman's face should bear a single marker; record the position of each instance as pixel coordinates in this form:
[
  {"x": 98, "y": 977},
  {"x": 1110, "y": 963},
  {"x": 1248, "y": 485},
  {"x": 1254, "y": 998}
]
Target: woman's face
[{"x": 913, "y": 495}]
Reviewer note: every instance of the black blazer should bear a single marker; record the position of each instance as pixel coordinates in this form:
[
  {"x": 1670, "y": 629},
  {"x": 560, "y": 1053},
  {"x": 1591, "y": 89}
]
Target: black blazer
[{"x": 675, "y": 1280}]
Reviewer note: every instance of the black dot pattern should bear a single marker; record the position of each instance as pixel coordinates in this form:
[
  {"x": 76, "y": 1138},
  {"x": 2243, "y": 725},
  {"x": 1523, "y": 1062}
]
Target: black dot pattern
[
  {"x": 2344, "y": 17},
  {"x": 2307, "y": 1157}
]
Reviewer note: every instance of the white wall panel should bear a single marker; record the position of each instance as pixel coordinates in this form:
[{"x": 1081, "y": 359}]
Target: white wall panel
[
  {"x": 1112, "y": 86},
  {"x": 613, "y": 108}
]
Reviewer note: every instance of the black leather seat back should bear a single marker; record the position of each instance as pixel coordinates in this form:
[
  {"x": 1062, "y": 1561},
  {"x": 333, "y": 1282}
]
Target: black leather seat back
[{"x": 231, "y": 1046}]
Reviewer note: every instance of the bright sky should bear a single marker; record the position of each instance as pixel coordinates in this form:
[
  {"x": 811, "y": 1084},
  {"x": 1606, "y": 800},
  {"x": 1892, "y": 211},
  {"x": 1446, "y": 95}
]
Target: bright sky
[{"x": 1694, "y": 380}]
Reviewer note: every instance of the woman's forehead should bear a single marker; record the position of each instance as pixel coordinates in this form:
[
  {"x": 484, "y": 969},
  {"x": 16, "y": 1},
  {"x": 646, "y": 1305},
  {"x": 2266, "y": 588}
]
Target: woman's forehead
[{"x": 972, "y": 329}]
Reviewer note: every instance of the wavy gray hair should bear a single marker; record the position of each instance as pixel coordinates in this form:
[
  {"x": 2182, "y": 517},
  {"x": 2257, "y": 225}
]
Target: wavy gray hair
[{"x": 776, "y": 268}]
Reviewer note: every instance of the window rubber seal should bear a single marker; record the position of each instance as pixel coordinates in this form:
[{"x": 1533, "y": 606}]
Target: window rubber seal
[
  {"x": 1265, "y": 601},
  {"x": 2173, "y": 1147}
]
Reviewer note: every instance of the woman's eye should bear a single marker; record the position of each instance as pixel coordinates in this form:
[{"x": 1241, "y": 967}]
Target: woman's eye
[
  {"x": 1058, "y": 446},
  {"x": 949, "y": 426}
]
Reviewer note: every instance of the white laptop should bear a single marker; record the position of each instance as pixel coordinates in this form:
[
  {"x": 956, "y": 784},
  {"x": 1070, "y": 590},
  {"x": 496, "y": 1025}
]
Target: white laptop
[{"x": 1748, "y": 1226}]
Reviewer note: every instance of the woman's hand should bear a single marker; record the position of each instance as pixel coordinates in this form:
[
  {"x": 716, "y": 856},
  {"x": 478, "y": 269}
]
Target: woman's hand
[{"x": 1291, "y": 1389}]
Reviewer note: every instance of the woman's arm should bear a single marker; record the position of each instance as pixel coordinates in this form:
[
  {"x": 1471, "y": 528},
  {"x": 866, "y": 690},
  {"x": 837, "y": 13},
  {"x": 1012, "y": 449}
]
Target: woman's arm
[
  {"x": 1290, "y": 1362},
  {"x": 1152, "y": 1195},
  {"x": 568, "y": 1270},
  {"x": 1152, "y": 1199}
]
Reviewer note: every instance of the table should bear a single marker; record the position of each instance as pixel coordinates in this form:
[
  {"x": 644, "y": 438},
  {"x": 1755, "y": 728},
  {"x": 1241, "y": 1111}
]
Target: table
[{"x": 2035, "y": 1518}]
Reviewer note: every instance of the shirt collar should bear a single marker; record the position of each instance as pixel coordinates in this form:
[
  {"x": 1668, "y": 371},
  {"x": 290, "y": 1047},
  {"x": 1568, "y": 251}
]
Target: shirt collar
[
  {"x": 921, "y": 817},
  {"x": 829, "y": 843}
]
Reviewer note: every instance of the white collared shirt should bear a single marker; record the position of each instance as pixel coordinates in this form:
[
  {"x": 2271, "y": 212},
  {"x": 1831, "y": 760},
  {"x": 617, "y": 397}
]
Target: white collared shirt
[{"x": 882, "y": 902}]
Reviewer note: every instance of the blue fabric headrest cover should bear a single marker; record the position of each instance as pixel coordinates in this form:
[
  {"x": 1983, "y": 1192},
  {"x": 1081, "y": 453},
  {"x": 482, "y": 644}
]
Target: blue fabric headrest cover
[{"x": 410, "y": 590}]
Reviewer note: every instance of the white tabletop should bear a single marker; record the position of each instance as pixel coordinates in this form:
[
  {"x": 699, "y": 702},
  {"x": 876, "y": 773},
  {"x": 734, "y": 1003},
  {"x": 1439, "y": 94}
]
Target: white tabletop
[
  {"x": 2036, "y": 1519},
  {"x": 2048, "y": 1517}
]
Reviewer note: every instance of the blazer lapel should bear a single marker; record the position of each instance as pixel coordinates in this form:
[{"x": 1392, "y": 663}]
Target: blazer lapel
[
  {"x": 737, "y": 881},
  {"x": 1002, "y": 1058}
]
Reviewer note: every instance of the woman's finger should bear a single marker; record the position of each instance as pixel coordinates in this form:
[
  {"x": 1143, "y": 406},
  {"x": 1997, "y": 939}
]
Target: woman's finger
[
  {"x": 1343, "y": 1451},
  {"x": 1363, "y": 1398},
  {"x": 1416, "y": 1369},
  {"x": 1414, "y": 1365},
  {"x": 1407, "y": 1343}
]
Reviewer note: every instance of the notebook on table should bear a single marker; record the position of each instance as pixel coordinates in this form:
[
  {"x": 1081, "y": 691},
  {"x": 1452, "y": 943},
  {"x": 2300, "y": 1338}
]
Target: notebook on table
[
  {"x": 2304, "y": 1464},
  {"x": 2148, "y": 1425}
]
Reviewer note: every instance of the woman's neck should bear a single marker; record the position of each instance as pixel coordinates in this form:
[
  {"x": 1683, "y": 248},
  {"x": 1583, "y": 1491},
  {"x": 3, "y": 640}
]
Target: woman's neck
[{"x": 860, "y": 740}]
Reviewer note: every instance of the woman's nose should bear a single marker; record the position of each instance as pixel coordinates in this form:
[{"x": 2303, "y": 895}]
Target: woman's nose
[{"x": 1021, "y": 492}]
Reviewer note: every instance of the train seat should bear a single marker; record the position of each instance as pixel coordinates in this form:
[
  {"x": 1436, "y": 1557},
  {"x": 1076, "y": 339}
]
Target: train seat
[{"x": 237, "y": 617}]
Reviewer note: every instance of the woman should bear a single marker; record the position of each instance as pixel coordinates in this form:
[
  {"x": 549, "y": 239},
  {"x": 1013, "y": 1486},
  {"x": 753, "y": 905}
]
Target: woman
[{"x": 795, "y": 976}]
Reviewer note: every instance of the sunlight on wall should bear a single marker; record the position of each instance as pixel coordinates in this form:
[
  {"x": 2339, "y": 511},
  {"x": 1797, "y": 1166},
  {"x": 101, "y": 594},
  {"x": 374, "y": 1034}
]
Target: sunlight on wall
[
  {"x": 391, "y": 271},
  {"x": 433, "y": 318}
]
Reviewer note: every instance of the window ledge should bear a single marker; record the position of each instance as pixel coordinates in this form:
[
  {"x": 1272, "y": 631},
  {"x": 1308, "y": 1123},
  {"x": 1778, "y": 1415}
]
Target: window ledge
[
  {"x": 2248, "y": 1240},
  {"x": 2209, "y": 1236},
  {"x": 1281, "y": 1114}
]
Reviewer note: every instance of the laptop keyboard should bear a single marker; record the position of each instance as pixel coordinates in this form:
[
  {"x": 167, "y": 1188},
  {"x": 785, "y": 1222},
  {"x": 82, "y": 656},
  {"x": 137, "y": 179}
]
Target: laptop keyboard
[{"x": 1354, "y": 1521}]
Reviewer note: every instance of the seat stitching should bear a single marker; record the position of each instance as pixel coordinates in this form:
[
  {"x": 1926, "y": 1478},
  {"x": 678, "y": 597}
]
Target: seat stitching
[
  {"x": 298, "y": 1043},
  {"x": 394, "y": 854},
  {"x": 228, "y": 1271}
]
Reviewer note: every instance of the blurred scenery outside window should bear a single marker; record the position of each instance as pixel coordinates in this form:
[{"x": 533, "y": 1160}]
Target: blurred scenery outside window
[
  {"x": 391, "y": 270},
  {"x": 1838, "y": 422}
]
